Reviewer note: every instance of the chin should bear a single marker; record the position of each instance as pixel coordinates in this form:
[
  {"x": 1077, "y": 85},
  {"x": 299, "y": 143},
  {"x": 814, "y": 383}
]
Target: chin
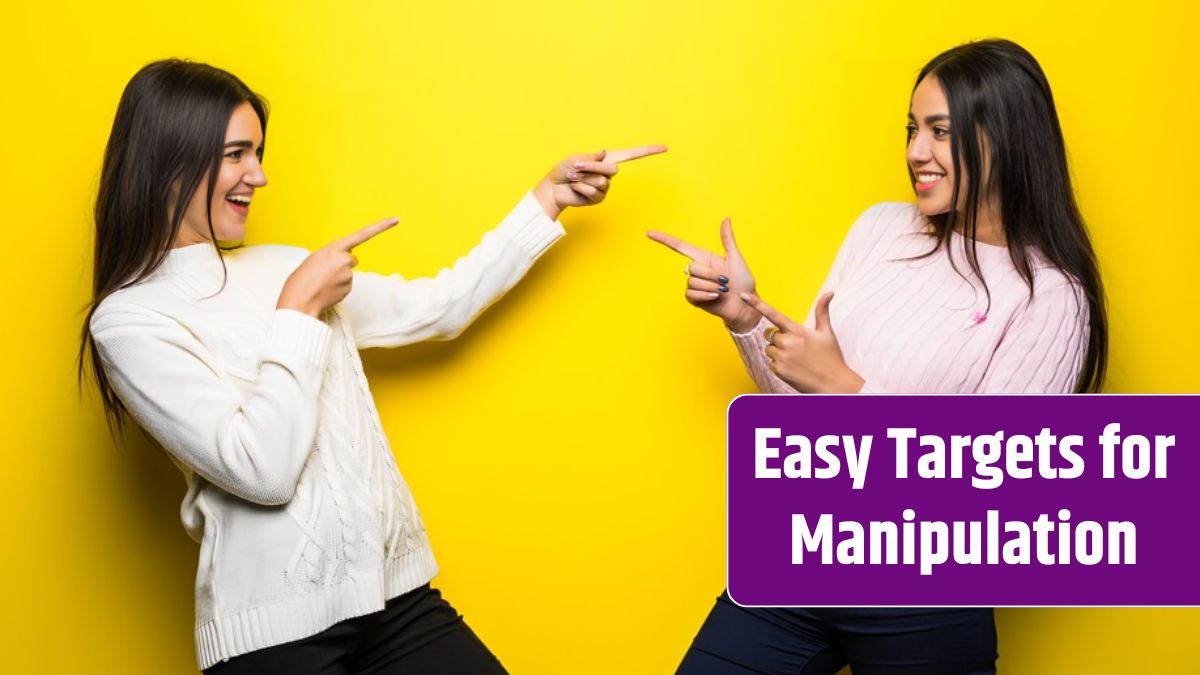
[
  {"x": 929, "y": 207},
  {"x": 230, "y": 233}
]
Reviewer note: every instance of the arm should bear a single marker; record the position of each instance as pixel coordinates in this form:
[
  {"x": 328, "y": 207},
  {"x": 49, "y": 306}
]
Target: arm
[
  {"x": 253, "y": 446},
  {"x": 750, "y": 347},
  {"x": 390, "y": 311}
]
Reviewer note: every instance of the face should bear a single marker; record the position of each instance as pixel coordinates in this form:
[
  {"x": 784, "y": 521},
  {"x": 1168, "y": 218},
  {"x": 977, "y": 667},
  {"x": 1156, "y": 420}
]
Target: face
[
  {"x": 241, "y": 173},
  {"x": 929, "y": 156}
]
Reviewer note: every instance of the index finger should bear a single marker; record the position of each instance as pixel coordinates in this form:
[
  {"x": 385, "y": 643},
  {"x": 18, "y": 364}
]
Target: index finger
[
  {"x": 635, "y": 153},
  {"x": 678, "y": 245},
  {"x": 773, "y": 315},
  {"x": 351, "y": 240}
]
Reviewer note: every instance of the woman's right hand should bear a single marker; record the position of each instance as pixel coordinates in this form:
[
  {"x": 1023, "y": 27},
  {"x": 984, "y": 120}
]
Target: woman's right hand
[
  {"x": 325, "y": 276},
  {"x": 714, "y": 281}
]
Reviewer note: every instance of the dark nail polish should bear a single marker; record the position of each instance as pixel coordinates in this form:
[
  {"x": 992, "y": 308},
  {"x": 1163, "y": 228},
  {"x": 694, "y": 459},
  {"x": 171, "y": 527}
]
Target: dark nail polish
[
  {"x": 723, "y": 279},
  {"x": 724, "y": 289}
]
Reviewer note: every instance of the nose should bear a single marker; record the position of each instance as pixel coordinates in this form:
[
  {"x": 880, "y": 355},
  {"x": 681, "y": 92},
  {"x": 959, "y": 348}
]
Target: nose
[
  {"x": 255, "y": 176},
  {"x": 919, "y": 149}
]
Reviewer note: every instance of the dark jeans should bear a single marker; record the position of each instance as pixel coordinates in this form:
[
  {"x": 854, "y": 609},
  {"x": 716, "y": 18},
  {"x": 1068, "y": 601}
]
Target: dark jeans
[
  {"x": 873, "y": 641},
  {"x": 416, "y": 633}
]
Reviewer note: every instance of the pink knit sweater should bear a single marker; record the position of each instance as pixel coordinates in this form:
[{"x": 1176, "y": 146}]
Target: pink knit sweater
[{"x": 917, "y": 326}]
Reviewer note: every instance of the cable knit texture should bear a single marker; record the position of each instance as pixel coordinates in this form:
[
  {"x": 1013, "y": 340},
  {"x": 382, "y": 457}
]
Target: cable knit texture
[
  {"x": 918, "y": 326},
  {"x": 293, "y": 493}
]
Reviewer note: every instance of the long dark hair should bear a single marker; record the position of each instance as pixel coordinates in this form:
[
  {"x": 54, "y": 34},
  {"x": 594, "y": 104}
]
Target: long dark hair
[
  {"x": 996, "y": 90},
  {"x": 170, "y": 127}
]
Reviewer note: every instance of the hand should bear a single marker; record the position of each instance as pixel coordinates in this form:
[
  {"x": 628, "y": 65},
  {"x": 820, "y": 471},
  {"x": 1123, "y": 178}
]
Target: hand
[
  {"x": 583, "y": 180},
  {"x": 325, "y": 276},
  {"x": 809, "y": 359},
  {"x": 714, "y": 281}
]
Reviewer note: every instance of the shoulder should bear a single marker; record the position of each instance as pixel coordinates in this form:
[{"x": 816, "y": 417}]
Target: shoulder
[
  {"x": 129, "y": 309},
  {"x": 269, "y": 254},
  {"x": 890, "y": 218}
]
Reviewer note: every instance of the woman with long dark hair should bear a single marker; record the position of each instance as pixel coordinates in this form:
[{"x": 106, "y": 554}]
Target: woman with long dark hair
[
  {"x": 242, "y": 363},
  {"x": 987, "y": 284}
]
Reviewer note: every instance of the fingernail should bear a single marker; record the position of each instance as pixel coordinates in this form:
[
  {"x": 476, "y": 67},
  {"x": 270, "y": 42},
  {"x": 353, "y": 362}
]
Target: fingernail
[
  {"x": 723, "y": 279},
  {"x": 571, "y": 175},
  {"x": 724, "y": 288},
  {"x": 744, "y": 296},
  {"x": 578, "y": 165},
  {"x": 714, "y": 295}
]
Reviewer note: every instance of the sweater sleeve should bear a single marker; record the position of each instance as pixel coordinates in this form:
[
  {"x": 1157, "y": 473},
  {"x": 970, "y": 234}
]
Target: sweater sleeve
[
  {"x": 750, "y": 345},
  {"x": 390, "y": 311},
  {"x": 1043, "y": 348},
  {"x": 252, "y": 445}
]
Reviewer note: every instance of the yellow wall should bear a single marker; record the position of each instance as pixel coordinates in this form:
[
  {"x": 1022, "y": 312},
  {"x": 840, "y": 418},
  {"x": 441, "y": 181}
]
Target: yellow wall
[{"x": 567, "y": 452}]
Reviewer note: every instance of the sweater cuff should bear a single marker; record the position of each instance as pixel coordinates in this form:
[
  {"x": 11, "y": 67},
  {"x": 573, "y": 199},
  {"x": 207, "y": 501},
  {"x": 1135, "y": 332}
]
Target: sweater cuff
[
  {"x": 529, "y": 228},
  {"x": 296, "y": 335},
  {"x": 751, "y": 336}
]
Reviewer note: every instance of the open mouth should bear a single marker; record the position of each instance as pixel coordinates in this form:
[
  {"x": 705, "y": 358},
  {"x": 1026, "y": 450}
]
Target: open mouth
[
  {"x": 927, "y": 181},
  {"x": 239, "y": 203}
]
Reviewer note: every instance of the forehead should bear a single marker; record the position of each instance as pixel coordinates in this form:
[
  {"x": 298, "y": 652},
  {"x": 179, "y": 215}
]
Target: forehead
[
  {"x": 244, "y": 124},
  {"x": 928, "y": 98}
]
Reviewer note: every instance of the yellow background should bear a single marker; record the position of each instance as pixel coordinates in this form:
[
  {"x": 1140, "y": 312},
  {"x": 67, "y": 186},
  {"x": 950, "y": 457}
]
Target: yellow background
[{"x": 567, "y": 451}]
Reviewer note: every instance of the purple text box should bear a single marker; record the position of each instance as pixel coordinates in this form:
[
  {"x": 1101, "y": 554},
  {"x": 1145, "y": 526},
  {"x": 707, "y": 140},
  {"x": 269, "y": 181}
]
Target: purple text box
[{"x": 763, "y": 512}]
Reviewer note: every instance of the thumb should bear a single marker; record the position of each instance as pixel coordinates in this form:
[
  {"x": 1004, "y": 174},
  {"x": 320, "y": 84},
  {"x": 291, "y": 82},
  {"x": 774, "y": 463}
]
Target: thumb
[
  {"x": 727, "y": 240},
  {"x": 822, "y": 312}
]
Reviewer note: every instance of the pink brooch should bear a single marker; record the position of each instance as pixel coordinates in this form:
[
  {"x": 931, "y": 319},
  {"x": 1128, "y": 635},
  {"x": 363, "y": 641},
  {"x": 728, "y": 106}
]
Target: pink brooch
[{"x": 978, "y": 317}]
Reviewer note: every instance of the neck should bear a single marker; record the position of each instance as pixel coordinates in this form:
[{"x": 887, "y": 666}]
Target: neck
[{"x": 989, "y": 229}]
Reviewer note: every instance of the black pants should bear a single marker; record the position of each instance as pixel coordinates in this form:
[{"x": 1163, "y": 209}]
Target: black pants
[
  {"x": 416, "y": 633},
  {"x": 873, "y": 641}
]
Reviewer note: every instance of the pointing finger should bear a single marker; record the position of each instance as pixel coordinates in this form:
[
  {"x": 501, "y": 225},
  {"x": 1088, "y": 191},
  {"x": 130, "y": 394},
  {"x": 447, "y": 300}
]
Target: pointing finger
[
  {"x": 351, "y": 240},
  {"x": 678, "y": 245},
  {"x": 635, "y": 153},
  {"x": 773, "y": 315}
]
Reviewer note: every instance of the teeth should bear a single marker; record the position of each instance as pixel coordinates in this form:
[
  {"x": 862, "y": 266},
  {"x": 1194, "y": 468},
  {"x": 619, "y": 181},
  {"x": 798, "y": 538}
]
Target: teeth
[
  {"x": 928, "y": 177},
  {"x": 241, "y": 199}
]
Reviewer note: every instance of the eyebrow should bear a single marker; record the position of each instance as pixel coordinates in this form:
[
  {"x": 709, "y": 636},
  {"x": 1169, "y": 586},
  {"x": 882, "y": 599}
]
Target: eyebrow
[
  {"x": 239, "y": 144},
  {"x": 931, "y": 118}
]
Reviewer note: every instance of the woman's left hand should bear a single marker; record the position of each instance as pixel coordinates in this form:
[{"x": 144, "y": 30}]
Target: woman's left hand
[
  {"x": 809, "y": 359},
  {"x": 583, "y": 180}
]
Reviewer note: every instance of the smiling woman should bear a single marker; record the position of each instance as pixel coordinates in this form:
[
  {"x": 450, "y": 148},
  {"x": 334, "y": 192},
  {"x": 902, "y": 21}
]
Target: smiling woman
[
  {"x": 243, "y": 364},
  {"x": 987, "y": 162}
]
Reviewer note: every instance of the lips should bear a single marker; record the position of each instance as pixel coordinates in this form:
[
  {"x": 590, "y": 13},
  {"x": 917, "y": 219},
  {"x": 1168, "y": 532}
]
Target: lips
[
  {"x": 238, "y": 208},
  {"x": 926, "y": 180},
  {"x": 239, "y": 203}
]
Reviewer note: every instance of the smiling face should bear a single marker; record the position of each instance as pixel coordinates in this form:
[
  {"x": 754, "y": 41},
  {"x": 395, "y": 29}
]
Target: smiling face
[
  {"x": 930, "y": 158},
  {"x": 241, "y": 173}
]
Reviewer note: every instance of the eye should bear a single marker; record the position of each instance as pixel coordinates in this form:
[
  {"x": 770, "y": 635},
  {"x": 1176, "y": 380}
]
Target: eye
[
  {"x": 940, "y": 132},
  {"x": 911, "y": 129},
  {"x": 235, "y": 155}
]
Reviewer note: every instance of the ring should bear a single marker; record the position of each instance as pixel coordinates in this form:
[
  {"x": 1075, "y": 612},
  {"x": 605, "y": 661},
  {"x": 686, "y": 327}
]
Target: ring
[
  {"x": 769, "y": 333},
  {"x": 687, "y": 272}
]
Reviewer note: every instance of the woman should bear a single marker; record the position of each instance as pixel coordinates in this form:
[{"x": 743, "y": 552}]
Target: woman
[
  {"x": 243, "y": 364},
  {"x": 987, "y": 284}
]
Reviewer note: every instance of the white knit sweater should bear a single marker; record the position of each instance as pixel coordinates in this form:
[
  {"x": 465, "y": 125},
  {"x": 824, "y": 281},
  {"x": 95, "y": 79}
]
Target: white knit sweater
[{"x": 293, "y": 493}]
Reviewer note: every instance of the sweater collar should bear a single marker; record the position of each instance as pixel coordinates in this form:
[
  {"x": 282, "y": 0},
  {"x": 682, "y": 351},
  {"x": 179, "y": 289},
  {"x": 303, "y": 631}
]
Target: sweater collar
[{"x": 189, "y": 258}]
